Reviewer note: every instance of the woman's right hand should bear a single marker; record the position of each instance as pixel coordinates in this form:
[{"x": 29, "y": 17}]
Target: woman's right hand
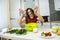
[
  {"x": 21, "y": 11},
  {"x": 35, "y": 9}
]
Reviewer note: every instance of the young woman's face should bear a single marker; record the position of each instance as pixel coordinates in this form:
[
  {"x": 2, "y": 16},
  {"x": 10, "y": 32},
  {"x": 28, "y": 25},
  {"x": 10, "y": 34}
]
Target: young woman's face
[{"x": 29, "y": 13}]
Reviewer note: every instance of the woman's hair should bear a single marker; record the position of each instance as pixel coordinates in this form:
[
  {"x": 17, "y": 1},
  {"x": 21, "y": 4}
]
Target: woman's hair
[{"x": 31, "y": 11}]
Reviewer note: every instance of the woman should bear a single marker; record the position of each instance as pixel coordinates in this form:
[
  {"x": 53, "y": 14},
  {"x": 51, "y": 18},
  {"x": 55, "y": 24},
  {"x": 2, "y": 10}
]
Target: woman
[{"x": 31, "y": 16}]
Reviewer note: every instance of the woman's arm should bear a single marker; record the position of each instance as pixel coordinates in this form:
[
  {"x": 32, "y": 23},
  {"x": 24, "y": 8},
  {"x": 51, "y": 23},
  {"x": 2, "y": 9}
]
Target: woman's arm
[
  {"x": 40, "y": 18},
  {"x": 21, "y": 19}
]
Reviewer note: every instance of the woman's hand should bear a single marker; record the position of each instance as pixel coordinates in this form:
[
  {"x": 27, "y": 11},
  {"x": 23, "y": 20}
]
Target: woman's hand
[
  {"x": 35, "y": 9},
  {"x": 21, "y": 11},
  {"x": 38, "y": 14}
]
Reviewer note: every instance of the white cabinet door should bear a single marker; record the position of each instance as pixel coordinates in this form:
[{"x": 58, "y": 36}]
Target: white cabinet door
[
  {"x": 29, "y": 4},
  {"x": 44, "y": 7},
  {"x": 57, "y": 5},
  {"x": 14, "y": 12},
  {"x": 4, "y": 13}
]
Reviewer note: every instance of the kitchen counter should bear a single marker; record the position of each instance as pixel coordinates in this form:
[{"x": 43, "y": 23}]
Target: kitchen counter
[{"x": 29, "y": 35}]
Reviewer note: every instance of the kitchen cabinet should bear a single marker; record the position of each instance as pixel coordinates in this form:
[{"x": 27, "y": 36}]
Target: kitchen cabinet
[
  {"x": 54, "y": 12},
  {"x": 14, "y": 6},
  {"x": 44, "y": 7},
  {"x": 4, "y": 13},
  {"x": 57, "y": 5}
]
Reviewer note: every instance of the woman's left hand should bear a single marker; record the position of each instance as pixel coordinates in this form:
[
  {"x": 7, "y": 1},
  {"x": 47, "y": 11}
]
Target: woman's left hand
[{"x": 35, "y": 9}]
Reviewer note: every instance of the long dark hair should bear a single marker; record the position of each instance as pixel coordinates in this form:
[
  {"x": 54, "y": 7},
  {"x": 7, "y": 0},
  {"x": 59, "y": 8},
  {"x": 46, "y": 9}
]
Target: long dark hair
[{"x": 31, "y": 11}]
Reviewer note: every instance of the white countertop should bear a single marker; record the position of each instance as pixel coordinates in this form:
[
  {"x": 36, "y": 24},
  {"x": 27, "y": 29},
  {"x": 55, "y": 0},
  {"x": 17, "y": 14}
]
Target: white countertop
[{"x": 29, "y": 35}]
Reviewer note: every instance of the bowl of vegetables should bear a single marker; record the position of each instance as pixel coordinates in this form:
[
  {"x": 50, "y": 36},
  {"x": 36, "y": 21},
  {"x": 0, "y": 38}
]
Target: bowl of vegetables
[
  {"x": 30, "y": 26},
  {"x": 56, "y": 30}
]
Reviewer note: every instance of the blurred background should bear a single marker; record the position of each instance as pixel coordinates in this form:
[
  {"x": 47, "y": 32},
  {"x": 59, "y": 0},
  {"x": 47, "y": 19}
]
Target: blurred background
[{"x": 9, "y": 11}]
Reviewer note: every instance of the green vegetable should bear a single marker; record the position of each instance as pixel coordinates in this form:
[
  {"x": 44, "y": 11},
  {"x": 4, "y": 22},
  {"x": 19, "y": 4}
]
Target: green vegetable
[
  {"x": 18, "y": 31},
  {"x": 56, "y": 28},
  {"x": 22, "y": 31},
  {"x": 42, "y": 33},
  {"x": 12, "y": 31}
]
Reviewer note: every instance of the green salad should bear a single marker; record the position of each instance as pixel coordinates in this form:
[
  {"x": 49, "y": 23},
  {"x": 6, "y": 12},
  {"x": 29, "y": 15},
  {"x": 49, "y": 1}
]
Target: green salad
[{"x": 18, "y": 31}]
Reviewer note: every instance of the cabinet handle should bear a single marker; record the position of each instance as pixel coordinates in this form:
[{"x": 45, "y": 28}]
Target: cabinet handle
[{"x": 12, "y": 18}]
